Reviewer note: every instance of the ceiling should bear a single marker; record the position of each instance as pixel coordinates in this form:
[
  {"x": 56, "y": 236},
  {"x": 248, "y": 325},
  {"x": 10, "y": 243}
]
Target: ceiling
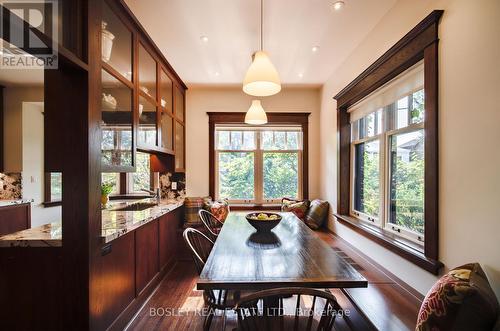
[{"x": 291, "y": 29}]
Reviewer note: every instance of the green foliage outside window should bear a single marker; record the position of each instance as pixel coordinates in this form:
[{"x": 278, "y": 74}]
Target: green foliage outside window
[
  {"x": 236, "y": 175},
  {"x": 281, "y": 175}
]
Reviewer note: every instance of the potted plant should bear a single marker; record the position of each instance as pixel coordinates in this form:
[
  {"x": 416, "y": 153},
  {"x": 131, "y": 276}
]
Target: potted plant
[{"x": 106, "y": 189}]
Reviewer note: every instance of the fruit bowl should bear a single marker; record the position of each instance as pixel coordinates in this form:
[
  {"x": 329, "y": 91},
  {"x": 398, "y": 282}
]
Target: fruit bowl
[{"x": 263, "y": 222}]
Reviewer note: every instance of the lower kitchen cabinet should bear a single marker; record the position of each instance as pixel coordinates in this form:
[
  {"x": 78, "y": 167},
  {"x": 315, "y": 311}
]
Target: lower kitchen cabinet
[
  {"x": 168, "y": 239},
  {"x": 146, "y": 254},
  {"x": 15, "y": 218},
  {"x": 116, "y": 284}
]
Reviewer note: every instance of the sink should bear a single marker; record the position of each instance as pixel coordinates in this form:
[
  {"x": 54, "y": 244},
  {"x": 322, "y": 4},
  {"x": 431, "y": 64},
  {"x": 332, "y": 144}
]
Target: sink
[{"x": 136, "y": 206}]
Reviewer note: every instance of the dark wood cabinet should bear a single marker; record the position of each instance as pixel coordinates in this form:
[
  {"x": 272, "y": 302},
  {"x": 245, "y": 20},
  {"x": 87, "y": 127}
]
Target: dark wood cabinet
[
  {"x": 146, "y": 255},
  {"x": 15, "y": 218},
  {"x": 1, "y": 128},
  {"x": 117, "y": 279},
  {"x": 167, "y": 239}
]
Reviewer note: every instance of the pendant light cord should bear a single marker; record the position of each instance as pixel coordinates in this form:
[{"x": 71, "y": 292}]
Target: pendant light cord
[{"x": 261, "y": 24}]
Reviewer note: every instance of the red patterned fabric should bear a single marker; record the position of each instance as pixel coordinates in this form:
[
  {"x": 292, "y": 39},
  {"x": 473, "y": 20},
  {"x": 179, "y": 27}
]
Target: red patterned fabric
[
  {"x": 219, "y": 209},
  {"x": 460, "y": 300},
  {"x": 299, "y": 208}
]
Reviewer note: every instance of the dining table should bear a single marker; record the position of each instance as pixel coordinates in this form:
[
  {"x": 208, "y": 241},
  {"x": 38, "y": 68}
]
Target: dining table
[{"x": 290, "y": 255}]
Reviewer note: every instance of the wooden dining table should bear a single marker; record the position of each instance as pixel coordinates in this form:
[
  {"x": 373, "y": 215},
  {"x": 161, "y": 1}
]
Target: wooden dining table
[{"x": 291, "y": 255}]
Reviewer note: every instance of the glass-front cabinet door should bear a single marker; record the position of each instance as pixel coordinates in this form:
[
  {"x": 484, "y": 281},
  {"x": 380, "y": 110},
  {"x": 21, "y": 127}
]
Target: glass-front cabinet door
[
  {"x": 179, "y": 147},
  {"x": 116, "y": 44},
  {"x": 116, "y": 124},
  {"x": 147, "y": 134},
  {"x": 179, "y": 103},
  {"x": 167, "y": 120}
]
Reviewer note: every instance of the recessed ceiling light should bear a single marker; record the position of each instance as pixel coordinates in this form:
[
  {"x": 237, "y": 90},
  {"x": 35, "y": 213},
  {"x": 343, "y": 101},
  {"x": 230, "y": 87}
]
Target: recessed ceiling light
[
  {"x": 300, "y": 75},
  {"x": 315, "y": 49},
  {"x": 337, "y": 5},
  {"x": 216, "y": 74},
  {"x": 204, "y": 39}
]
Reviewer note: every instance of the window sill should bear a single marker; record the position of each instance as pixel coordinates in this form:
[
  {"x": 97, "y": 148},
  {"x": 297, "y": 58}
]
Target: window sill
[
  {"x": 48, "y": 204},
  {"x": 404, "y": 248},
  {"x": 253, "y": 206}
]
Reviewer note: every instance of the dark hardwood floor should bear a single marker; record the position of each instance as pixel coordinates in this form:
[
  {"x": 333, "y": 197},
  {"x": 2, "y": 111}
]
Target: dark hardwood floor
[{"x": 177, "y": 305}]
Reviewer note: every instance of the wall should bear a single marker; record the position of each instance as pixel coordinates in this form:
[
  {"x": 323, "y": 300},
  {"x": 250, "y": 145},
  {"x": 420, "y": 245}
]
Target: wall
[
  {"x": 200, "y": 100},
  {"x": 469, "y": 78},
  {"x": 33, "y": 164},
  {"x": 12, "y": 124}
]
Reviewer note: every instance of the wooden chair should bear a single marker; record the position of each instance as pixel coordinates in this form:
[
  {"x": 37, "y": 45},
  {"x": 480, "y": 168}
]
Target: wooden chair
[
  {"x": 211, "y": 222},
  {"x": 276, "y": 309},
  {"x": 200, "y": 246}
]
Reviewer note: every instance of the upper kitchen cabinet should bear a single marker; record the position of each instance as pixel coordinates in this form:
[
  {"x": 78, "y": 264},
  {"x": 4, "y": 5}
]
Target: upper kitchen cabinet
[
  {"x": 179, "y": 130},
  {"x": 116, "y": 125},
  {"x": 147, "y": 134},
  {"x": 116, "y": 45},
  {"x": 167, "y": 120},
  {"x": 179, "y": 103},
  {"x": 180, "y": 143},
  {"x": 153, "y": 119},
  {"x": 117, "y": 102}
]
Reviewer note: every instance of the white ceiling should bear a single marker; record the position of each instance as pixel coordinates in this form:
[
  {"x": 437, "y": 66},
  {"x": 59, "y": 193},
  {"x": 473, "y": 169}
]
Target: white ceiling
[{"x": 291, "y": 29}]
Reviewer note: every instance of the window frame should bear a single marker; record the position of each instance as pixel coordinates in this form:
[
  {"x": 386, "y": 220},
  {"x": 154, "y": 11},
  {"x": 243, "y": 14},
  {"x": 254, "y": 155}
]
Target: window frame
[
  {"x": 384, "y": 138},
  {"x": 258, "y": 157},
  {"x": 274, "y": 118},
  {"x": 421, "y": 43}
]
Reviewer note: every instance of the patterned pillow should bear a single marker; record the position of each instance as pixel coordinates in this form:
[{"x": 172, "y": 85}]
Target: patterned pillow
[
  {"x": 461, "y": 300},
  {"x": 192, "y": 205},
  {"x": 219, "y": 209},
  {"x": 299, "y": 208},
  {"x": 316, "y": 215}
]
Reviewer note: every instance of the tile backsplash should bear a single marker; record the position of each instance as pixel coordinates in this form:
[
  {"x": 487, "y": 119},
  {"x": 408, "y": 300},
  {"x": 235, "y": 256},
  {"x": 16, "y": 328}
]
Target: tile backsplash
[
  {"x": 10, "y": 186},
  {"x": 166, "y": 179}
]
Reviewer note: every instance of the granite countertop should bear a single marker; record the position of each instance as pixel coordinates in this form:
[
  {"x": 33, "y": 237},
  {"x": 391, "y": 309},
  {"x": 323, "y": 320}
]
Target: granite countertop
[
  {"x": 4, "y": 203},
  {"x": 115, "y": 223}
]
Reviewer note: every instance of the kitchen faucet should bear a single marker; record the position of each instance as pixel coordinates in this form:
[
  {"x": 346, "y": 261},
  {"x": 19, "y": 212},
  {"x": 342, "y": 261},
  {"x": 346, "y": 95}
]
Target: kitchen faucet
[{"x": 156, "y": 194}]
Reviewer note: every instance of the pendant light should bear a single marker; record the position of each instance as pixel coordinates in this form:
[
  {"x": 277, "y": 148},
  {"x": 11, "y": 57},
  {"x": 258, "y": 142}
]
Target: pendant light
[
  {"x": 262, "y": 78},
  {"x": 256, "y": 114}
]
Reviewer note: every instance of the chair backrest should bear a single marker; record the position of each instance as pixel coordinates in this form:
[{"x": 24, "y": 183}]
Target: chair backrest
[
  {"x": 200, "y": 246},
  {"x": 211, "y": 222},
  {"x": 287, "y": 309}
]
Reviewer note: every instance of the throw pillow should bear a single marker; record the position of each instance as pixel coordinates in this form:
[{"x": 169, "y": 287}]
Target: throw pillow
[
  {"x": 219, "y": 209},
  {"x": 460, "y": 300},
  {"x": 316, "y": 215},
  {"x": 192, "y": 205},
  {"x": 298, "y": 207}
]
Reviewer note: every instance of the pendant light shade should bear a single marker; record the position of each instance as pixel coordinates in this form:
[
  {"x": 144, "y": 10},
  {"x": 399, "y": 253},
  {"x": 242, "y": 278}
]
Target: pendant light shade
[
  {"x": 256, "y": 114},
  {"x": 262, "y": 78}
]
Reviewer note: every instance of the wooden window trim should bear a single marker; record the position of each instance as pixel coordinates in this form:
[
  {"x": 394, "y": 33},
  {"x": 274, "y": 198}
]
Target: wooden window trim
[
  {"x": 421, "y": 43},
  {"x": 238, "y": 118}
]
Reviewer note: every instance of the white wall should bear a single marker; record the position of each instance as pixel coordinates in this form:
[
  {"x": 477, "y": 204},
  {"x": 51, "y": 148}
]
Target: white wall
[
  {"x": 12, "y": 123},
  {"x": 469, "y": 134},
  {"x": 200, "y": 100},
  {"x": 32, "y": 161}
]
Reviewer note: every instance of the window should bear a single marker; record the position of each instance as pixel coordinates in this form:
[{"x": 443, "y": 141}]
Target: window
[
  {"x": 387, "y": 166},
  {"x": 408, "y": 215},
  {"x": 258, "y": 164},
  {"x": 141, "y": 178},
  {"x": 132, "y": 182},
  {"x": 112, "y": 178},
  {"x": 53, "y": 188}
]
